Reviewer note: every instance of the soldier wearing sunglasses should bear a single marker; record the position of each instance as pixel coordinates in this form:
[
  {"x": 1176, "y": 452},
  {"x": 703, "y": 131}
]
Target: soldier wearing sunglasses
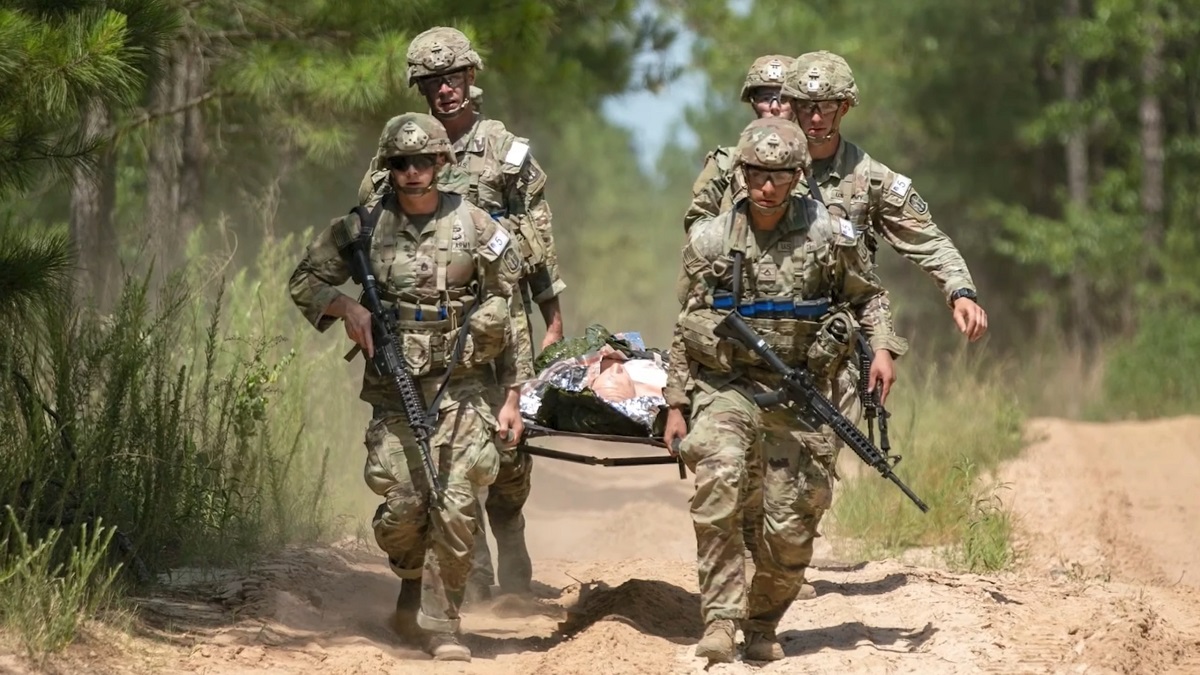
[
  {"x": 878, "y": 201},
  {"x": 712, "y": 192},
  {"x": 495, "y": 170}
]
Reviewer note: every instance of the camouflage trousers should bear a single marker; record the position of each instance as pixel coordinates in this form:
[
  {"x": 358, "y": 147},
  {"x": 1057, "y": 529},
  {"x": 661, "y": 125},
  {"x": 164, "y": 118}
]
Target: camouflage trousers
[
  {"x": 845, "y": 396},
  {"x": 728, "y": 429},
  {"x": 505, "y": 501},
  {"x": 422, "y": 540}
]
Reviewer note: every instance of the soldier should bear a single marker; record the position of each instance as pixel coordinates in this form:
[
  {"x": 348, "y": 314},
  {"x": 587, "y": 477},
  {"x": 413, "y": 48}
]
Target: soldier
[
  {"x": 795, "y": 253},
  {"x": 494, "y": 170},
  {"x": 878, "y": 201},
  {"x": 449, "y": 272},
  {"x": 712, "y": 192}
]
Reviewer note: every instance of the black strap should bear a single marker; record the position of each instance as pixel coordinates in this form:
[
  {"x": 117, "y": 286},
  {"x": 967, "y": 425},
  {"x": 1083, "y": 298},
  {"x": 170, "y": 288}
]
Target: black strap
[
  {"x": 369, "y": 220},
  {"x": 814, "y": 190}
]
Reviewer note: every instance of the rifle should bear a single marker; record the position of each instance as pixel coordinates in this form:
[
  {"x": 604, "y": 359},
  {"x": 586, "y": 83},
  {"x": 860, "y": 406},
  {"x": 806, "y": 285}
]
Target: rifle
[
  {"x": 798, "y": 387},
  {"x": 872, "y": 406},
  {"x": 388, "y": 360}
]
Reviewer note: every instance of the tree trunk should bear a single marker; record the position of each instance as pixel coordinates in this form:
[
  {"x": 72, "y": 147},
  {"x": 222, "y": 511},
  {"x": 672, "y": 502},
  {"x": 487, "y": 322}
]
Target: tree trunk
[
  {"x": 1083, "y": 331},
  {"x": 1153, "y": 156},
  {"x": 194, "y": 152},
  {"x": 93, "y": 197},
  {"x": 162, "y": 167},
  {"x": 176, "y": 159}
]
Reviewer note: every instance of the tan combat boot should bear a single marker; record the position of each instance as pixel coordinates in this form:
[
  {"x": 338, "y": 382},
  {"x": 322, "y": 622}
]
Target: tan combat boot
[
  {"x": 717, "y": 643},
  {"x": 446, "y": 647},
  {"x": 763, "y": 647},
  {"x": 404, "y": 621}
]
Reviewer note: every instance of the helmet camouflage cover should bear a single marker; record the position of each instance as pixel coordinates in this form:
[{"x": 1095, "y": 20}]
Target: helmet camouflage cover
[
  {"x": 821, "y": 76},
  {"x": 773, "y": 143},
  {"x": 766, "y": 71},
  {"x": 438, "y": 51},
  {"x": 415, "y": 134}
]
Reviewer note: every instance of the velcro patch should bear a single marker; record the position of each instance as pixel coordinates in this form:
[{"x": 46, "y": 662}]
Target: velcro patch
[
  {"x": 901, "y": 185},
  {"x": 499, "y": 241},
  {"x": 516, "y": 153},
  {"x": 512, "y": 261},
  {"x": 917, "y": 204},
  {"x": 847, "y": 228}
]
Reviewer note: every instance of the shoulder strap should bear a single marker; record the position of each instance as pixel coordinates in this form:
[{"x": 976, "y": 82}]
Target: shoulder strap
[
  {"x": 368, "y": 219},
  {"x": 814, "y": 190}
]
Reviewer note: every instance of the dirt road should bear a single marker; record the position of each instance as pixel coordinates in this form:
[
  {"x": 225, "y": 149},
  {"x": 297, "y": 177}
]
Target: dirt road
[{"x": 1108, "y": 584}]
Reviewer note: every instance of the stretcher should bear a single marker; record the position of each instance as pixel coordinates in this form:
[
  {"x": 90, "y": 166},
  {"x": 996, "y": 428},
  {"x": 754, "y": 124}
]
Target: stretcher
[{"x": 533, "y": 430}]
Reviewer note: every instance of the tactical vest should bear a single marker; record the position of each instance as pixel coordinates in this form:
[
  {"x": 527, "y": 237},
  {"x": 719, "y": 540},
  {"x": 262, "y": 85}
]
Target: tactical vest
[
  {"x": 810, "y": 332},
  {"x": 432, "y": 321},
  {"x": 483, "y": 177}
]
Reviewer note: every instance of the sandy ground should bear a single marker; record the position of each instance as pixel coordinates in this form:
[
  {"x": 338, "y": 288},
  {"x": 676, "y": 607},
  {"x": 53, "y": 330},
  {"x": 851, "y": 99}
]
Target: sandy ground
[{"x": 1109, "y": 583}]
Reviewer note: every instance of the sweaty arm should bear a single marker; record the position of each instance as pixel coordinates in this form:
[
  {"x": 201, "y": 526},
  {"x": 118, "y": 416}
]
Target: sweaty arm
[{"x": 902, "y": 218}]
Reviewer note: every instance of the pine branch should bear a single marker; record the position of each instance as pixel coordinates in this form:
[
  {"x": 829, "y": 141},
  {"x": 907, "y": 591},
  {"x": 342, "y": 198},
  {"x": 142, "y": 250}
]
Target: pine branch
[{"x": 148, "y": 116}]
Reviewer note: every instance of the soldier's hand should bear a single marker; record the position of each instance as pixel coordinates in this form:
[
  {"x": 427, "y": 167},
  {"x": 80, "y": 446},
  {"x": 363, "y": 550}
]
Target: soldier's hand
[
  {"x": 358, "y": 327},
  {"x": 970, "y": 317},
  {"x": 675, "y": 429},
  {"x": 882, "y": 375},
  {"x": 551, "y": 338},
  {"x": 509, "y": 424}
]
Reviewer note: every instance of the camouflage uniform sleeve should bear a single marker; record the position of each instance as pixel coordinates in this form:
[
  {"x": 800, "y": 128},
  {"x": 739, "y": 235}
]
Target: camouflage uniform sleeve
[
  {"x": 531, "y": 188},
  {"x": 859, "y": 286},
  {"x": 694, "y": 284},
  {"x": 709, "y": 190},
  {"x": 501, "y": 269},
  {"x": 314, "y": 282},
  {"x": 902, "y": 218},
  {"x": 372, "y": 180}
]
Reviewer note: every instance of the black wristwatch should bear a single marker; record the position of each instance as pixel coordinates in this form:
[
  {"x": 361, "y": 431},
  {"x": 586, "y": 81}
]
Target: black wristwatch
[{"x": 964, "y": 293}]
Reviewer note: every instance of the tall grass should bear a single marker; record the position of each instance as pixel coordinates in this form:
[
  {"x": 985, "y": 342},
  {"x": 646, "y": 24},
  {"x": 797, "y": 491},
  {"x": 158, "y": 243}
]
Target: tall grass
[
  {"x": 203, "y": 423},
  {"x": 952, "y": 427}
]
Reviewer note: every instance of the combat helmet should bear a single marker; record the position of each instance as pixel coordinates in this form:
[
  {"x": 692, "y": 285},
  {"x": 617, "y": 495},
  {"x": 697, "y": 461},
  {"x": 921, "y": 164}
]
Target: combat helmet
[
  {"x": 821, "y": 76},
  {"x": 414, "y": 134},
  {"x": 766, "y": 71},
  {"x": 440, "y": 50},
  {"x": 773, "y": 143}
]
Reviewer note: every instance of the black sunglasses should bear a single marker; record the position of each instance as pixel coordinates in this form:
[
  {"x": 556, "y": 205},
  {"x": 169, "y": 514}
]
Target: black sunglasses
[{"x": 420, "y": 162}]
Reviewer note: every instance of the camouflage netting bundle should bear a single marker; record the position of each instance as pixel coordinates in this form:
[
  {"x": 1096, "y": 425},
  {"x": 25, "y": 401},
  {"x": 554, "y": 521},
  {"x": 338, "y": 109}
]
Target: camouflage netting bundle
[{"x": 564, "y": 397}]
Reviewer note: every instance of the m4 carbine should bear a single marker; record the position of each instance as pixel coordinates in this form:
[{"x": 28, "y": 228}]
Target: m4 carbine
[{"x": 798, "y": 387}]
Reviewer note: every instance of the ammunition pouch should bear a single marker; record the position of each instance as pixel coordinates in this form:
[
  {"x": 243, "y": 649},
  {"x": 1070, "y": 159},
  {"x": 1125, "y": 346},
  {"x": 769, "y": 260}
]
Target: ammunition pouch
[
  {"x": 790, "y": 338},
  {"x": 697, "y": 330},
  {"x": 488, "y": 333},
  {"x": 832, "y": 346},
  {"x": 429, "y": 333}
]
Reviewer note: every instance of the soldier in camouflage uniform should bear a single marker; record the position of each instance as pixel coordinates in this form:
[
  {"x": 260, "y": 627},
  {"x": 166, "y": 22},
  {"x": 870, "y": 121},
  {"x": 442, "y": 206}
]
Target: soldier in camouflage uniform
[
  {"x": 817, "y": 274},
  {"x": 494, "y": 170},
  {"x": 434, "y": 256},
  {"x": 878, "y": 201},
  {"x": 763, "y": 90}
]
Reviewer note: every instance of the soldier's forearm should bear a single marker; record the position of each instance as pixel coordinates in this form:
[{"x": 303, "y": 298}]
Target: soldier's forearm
[{"x": 552, "y": 315}]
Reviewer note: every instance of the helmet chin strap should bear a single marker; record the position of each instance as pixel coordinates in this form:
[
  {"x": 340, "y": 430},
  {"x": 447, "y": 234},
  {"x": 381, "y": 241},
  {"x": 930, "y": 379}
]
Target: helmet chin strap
[
  {"x": 417, "y": 192},
  {"x": 768, "y": 210}
]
